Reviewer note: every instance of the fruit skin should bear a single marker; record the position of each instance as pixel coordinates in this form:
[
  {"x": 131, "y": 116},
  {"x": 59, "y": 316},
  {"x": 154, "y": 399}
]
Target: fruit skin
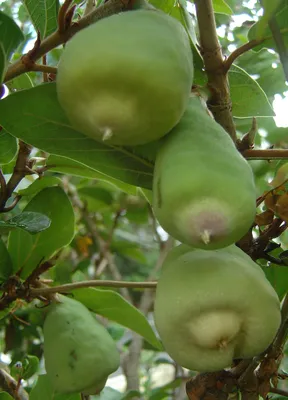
[
  {"x": 214, "y": 306},
  {"x": 127, "y": 78},
  {"x": 203, "y": 189},
  {"x": 79, "y": 353}
]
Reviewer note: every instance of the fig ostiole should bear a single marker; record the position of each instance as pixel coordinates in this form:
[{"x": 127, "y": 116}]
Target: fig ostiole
[
  {"x": 79, "y": 353},
  {"x": 126, "y": 79},
  {"x": 203, "y": 189},
  {"x": 214, "y": 306}
]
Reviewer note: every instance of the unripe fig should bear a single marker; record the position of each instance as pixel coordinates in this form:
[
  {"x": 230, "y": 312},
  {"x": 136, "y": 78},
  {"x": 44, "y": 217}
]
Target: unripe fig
[
  {"x": 126, "y": 79},
  {"x": 214, "y": 306},
  {"x": 203, "y": 189},
  {"x": 79, "y": 353}
]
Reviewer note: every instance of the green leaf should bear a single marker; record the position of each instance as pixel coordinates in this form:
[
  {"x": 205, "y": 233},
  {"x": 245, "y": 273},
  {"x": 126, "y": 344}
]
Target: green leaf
[
  {"x": 8, "y": 147},
  {"x": 97, "y": 198},
  {"x": 10, "y": 37},
  {"x": 30, "y": 366},
  {"x": 278, "y": 277},
  {"x": 32, "y": 222},
  {"x": 71, "y": 167},
  {"x": 20, "y": 82},
  {"x": 281, "y": 20},
  {"x": 5, "y": 396},
  {"x": 35, "y": 116},
  {"x": 43, "y": 390},
  {"x": 248, "y": 99},
  {"x": 111, "y": 305},
  {"x": 28, "y": 251},
  {"x": 163, "y": 392},
  {"x": 6, "y": 266},
  {"x": 269, "y": 9},
  {"x": 43, "y": 14},
  {"x": 3, "y": 63},
  {"x": 39, "y": 184},
  {"x": 221, "y": 7}
]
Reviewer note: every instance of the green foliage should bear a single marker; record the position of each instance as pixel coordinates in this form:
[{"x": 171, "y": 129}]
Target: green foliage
[
  {"x": 111, "y": 305},
  {"x": 47, "y": 128},
  {"x": 28, "y": 251},
  {"x": 74, "y": 210},
  {"x": 43, "y": 15},
  {"x": 11, "y": 36}
]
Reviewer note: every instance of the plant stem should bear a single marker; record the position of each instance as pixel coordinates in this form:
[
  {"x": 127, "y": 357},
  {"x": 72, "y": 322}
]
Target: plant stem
[
  {"x": 219, "y": 102},
  {"x": 282, "y": 392},
  {"x": 265, "y": 154},
  {"x": 239, "y": 51},
  {"x": 57, "y": 38},
  {"x": 98, "y": 283},
  {"x": 44, "y": 68}
]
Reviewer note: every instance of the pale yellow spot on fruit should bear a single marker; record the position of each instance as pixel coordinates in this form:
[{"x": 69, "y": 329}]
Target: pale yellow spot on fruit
[
  {"x": 107, "y": 133},
  {"x": 206, "y": 236}
]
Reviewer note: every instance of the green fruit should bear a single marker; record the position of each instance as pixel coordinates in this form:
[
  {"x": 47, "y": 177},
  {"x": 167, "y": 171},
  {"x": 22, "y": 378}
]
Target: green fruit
[
  {"x": 79, "y": 353},
  {"x": 214, "y": 306},
  {"x": 127, "y": 78},
  {"x": 203, "y": 189}
]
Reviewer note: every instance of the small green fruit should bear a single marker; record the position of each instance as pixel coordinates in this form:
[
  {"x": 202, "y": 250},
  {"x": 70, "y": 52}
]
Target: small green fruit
[
  {"x": 214, "y": 306},
  {"x": 203, "y": 189},
  {"x": 127, "y": 78},
  {"x": 79, "y": 353}
]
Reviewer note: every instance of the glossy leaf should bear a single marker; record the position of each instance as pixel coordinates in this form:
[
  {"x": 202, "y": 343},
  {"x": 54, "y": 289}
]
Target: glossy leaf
[
  {"x": 43, "y": 14},
  {"x": 30, "y": 366},
  {"x": 28, "y": 251},
  {"x": 5, "y": 396},
  {"x": 71, "y": 167},
  {"x": 3, "y": 63},
  {"x": 35, "y": 116},
  {"x": 220, "y": 6},
  {"x": 8, "y": 147},
  {"x": 111, "y": 305},
  {"x": 10, "y": 37},
  {"x": 20, "y": 82},
  {"x": 39, "y": 184},
  {"x": 278, "y": 277},
  {"x": 32, "y": 222},
  {"x": 6, "y": 266},
  {"x": 95, "y": 197},
  {"x": 248, "y": 99}
]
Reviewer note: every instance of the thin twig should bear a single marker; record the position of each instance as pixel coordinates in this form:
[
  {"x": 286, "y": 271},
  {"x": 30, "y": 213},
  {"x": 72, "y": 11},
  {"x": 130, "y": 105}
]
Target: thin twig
[
  {"x": 85, "y": 284},
  {"x": 282, "y": 392},
  {"x": 62, "y": 27},
  {"x": 239, "y": 51},
  {"x": 44, "y": 63},
  {"x": 46, "y": 69},
  {"x": 57, "y": 38},
  {"x": 10, "y": 385},
  {"x": 281, "y": 336},
  {"x": 265, "y": 154},
  {"x": 21, "y": 169},
  {"x": 3, "y": 186},
  {"x": 13, "y": 204}
]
